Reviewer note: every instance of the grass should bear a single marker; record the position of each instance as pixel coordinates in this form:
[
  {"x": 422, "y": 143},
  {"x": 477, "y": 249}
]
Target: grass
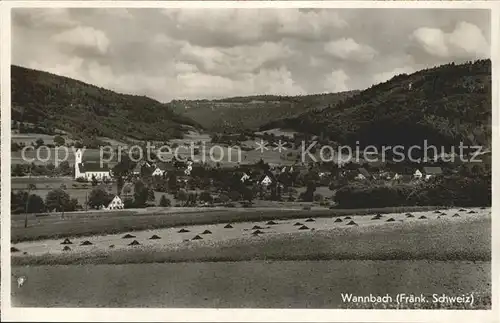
[
  {"x": 101, "y": 223},
  {"x": 452, "y": 241}
]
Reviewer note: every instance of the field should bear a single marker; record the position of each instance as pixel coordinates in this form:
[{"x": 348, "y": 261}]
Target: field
[
  {"x": 298, "y": 270},
  {"x": 432, "y": 239},
  {"x": 255, "y": 284}
]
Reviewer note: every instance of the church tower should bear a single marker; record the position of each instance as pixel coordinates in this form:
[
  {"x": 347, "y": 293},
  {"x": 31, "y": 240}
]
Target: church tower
[{"x": 78, "y": 160}]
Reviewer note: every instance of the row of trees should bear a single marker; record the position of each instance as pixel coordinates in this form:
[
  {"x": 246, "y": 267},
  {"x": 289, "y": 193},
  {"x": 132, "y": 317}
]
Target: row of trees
[
  {"x": 49, "y": 169},
  {"x": 454, "y": 190},
  {"x": 56, "y": 200}
]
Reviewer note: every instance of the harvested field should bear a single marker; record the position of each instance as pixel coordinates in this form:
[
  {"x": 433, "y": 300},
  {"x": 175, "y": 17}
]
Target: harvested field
[
  {"x": 80, "y": 224},
  {"x": 460, "y": 238}
]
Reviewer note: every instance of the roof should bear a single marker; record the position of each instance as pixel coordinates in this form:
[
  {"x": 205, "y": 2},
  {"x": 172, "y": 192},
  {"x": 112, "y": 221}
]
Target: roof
[
  {"x": 93, "y": 167},
  {"x": 432, "y": 170}
]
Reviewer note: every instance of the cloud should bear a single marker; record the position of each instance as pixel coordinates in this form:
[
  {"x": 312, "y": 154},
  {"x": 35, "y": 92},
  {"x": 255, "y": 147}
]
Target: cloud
[
  {"x": 234, "y": 60},
  {"x": 85, "y": 38},
  {"x": 336, "y": 81},
  {"x": 465, "y": 41},
  {"x": 38, "y": 17},
  {"x": 349, "y": 49},
  {"x": 230, "y": 27},
  {"x": 206, "y": 53}
]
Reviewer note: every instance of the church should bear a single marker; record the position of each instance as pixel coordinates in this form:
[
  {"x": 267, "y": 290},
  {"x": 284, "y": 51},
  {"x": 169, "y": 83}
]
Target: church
[{"x": 89, "y": 170}]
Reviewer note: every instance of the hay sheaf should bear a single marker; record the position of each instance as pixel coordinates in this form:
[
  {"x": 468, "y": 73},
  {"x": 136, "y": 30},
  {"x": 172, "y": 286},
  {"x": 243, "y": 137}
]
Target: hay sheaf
[{"x": 67, "y": 241}]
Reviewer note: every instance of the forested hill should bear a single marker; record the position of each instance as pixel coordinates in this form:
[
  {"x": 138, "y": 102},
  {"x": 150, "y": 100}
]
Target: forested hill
[
  {"x": 252, "y": 112},
  {"x": 445, "y": 105},
  {"x": 84, "y": 110}
]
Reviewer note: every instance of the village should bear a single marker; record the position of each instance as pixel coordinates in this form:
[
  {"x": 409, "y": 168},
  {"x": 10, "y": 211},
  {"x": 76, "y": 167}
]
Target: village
[{"x": 181, "y": 182}]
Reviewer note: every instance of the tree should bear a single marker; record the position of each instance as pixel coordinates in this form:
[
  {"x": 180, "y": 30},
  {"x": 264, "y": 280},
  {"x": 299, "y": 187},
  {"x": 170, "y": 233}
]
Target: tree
[
  {"x": 224, "y": 198},
  {"x": 173, "y": 186},
  {"x": 234, "y": 195},
  {"x": 18, "y": 170},
  {"x": 141, "y": 193},
  {"x": 39, "y": 142},
  {"x": 181, "y": 195},
  {"x": 35, "y": 203},
  {"x": 64, "y": 169},
  {"x": 59, "y": 141},
  {"x": 165, "y": 202},
  {"x": 247, "y": 194},
  {"x": 151, "y": 195},
  {"x": 98, "y": 197},
  {"x": 205, "y": 196},
  {"x": 57, "y": 200},
  {"x": 73, "y": 205}
]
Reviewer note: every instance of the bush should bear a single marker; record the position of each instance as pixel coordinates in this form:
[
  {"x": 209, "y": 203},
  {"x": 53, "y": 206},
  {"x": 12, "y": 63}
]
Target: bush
[
  {"x": 81, "y": 180},
  {"x": 128, "y": 203},
  {"x": 164, "y": 201}
]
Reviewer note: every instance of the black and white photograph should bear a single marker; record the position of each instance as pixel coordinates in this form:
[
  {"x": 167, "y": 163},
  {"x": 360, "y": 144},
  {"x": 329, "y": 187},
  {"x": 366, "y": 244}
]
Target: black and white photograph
[{"x": 247, "y": 157}]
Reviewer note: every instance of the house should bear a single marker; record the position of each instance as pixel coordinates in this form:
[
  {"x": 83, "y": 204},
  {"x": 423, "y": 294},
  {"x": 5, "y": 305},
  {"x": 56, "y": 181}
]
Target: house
[
  {"x": 244, "y": 177},
  {"x": 397, "y": 177},
  {"x": 417, "y": 174},
  {"x": 267, "y": 179},
  {"x": 160, "y": 170},
  {"x": 115, "y": 204},
  {"x": 432, "y": 171},
  {"x": 90, "y": 170}
]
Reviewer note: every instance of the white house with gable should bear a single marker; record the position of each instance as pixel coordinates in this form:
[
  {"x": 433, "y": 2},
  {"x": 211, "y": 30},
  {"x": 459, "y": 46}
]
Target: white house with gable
[
  {"x": 89, "y": 170},
  {"x": 115, "y": 204}
]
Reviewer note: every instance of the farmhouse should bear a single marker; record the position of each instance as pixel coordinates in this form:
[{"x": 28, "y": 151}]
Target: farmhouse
[
  {"x": 115, "y": 204},
  {"x": 90, "y": 170},
  {"x": 160, "y": 170}
]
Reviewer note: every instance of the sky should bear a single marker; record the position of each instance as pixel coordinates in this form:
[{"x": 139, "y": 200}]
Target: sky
[{"x": 212, "y": 53}]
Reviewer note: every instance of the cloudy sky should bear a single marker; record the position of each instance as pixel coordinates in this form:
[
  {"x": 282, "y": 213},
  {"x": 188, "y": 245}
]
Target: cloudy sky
[{"x": 207, "y": 53}]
